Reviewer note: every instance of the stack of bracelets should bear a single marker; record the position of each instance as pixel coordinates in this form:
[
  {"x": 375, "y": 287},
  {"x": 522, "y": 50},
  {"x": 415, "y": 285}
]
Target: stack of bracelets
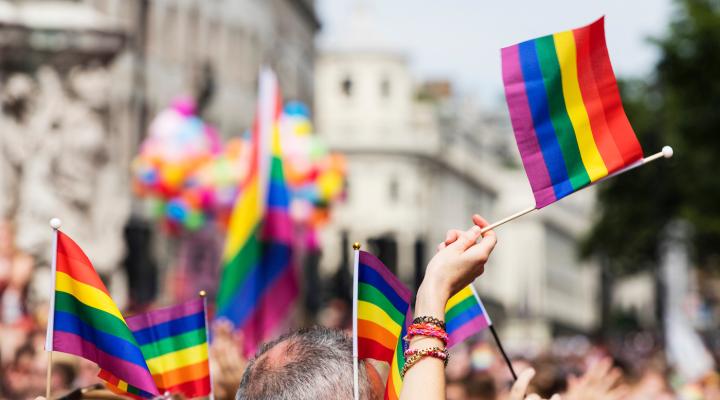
[{"x": 427, "y": 327}]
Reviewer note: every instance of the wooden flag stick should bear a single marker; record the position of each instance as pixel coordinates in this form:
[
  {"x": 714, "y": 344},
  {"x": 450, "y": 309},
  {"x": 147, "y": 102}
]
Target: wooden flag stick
[
  {"x": 55, "y": 224},
  {"x": 666, "y": 152},
  {"x": 502, "y": 350}
]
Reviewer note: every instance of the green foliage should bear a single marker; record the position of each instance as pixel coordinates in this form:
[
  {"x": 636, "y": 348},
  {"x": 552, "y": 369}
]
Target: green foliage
[{"x": 679, "y": 106}]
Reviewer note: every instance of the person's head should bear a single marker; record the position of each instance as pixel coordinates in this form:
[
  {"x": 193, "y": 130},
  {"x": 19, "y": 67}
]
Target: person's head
[{"x": 310, "y": 364}]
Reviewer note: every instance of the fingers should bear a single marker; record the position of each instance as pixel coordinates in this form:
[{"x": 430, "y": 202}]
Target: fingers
[
  {"x": 480, "y": 252},
  {"x": 520, "y": 386},
  {"x": 452, "y": 235},
  {"x": 466, "y": 239},
  {"x": 479, "y": 221},
  {"x": 555, "y": 397},
  {"x": 533, "y": 397}
]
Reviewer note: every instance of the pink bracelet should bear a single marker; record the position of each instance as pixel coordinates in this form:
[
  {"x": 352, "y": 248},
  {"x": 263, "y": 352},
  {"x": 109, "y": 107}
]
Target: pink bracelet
[{"x": 428, "y": 330}]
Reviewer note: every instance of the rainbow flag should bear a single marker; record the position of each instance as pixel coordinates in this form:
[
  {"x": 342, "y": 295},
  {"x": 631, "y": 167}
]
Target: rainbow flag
[
  {"x": 465, "y": 316},
  {"x": 395, "y": 381},
  {"x": 85, "y": 321},
  {"x": 259, "y": 283},
  {"x": 174, "y": 343},
  {"x": 565, "y": 107},
  {"x": 382, "y": 313}
]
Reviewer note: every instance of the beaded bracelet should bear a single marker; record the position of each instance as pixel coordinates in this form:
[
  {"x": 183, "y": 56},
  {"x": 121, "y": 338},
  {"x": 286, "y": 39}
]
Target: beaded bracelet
[
  {"x": 420, "y": 354},
  {"x": 430, "y": 320},
  {"x": 437, "y": 351},
  {"x": 428, "y": 330}
]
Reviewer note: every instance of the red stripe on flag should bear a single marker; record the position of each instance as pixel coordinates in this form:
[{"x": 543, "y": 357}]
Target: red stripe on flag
[{"x": 72, "y": 261}]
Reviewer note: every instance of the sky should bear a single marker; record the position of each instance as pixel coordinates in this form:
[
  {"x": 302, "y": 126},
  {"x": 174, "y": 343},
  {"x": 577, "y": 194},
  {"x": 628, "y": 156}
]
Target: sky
[{"x": 460, "y": 40}]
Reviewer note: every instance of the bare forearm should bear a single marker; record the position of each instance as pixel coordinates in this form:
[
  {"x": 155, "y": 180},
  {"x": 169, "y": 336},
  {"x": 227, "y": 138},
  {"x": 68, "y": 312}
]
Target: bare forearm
[{"x": 426, "y": 380}]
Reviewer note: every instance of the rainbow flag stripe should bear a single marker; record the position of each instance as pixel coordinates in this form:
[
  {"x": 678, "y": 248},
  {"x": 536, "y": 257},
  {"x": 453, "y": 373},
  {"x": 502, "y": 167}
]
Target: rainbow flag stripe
[
  {"x": 259, "y": 282},
  {"x": 465, "y": 316},
  {"x": 174, "y": 342},
  {"x": 395, "y": 381},
  {"x": 383, "y": 303},
  {"x": 87, "y": 323},
  {"x": 565, "y": 107}
]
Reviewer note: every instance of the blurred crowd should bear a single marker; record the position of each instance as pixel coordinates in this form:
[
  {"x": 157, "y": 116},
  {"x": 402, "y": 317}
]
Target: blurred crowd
[{"x": 632, "y": 368}]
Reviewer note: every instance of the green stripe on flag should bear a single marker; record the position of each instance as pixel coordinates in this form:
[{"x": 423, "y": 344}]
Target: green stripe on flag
[
  {"x": 92, "y": 316},
  {"x": 174, "y": 343},
  {"x": 552, "y": 77},
  {"x": 237, "y": 270},
  {"x": 370, "y": 294},
  {"x": 461, "y": 307}
]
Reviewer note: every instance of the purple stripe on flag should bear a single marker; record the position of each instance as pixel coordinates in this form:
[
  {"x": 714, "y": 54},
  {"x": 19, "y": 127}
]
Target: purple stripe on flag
[
  {"x": 374, "y": 263},
  {"x": 129, "y": 372},
  {"x": 272, "y": 309},
  {"x": 472, "y": 327},
  {"x": 278, "y": 226},
  {"x": 525, "y": 134},
  {"x": 159, "y": 316}
]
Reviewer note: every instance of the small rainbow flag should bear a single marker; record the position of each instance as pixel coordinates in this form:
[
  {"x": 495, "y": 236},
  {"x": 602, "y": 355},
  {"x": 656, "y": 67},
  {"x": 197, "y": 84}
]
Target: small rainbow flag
[
  {"x": 259, "y": 282},
  {"x": 382, "y": 311},
  {"x": 395, "y": 381},
  {"x": 465, "y": 316},
  {"x": 174, "y": 343},
  {"x": 85, "y": 321},
  {"x": 565, "y": 107}
]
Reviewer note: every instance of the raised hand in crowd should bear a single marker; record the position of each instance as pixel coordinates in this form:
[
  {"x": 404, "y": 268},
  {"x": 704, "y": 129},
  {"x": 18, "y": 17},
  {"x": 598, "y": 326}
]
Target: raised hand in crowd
[
  {"x": 228, "y": 364},
  {"x": 600, "y": 382},
  {"x": 519, "y": 388},
  {"x": 459, "y": 260}
]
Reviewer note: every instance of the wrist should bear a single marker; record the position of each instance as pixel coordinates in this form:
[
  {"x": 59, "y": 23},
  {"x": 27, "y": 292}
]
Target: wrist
[{"x": 431, "y": 300}]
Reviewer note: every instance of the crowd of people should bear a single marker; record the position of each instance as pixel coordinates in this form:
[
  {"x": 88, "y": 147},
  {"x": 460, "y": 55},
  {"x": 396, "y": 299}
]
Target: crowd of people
[{"x": 572, "y": 367}]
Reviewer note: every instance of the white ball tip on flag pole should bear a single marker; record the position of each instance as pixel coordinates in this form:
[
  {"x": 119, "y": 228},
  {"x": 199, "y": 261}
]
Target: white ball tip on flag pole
[
  {"x": 667, "y": 151},
  {"x": 55, "y": 223}
]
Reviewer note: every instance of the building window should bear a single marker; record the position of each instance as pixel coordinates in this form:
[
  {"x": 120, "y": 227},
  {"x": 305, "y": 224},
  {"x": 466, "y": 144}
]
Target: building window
[
  {"x": 385, "y": 88},
  {"x": 346, "y": 86}
]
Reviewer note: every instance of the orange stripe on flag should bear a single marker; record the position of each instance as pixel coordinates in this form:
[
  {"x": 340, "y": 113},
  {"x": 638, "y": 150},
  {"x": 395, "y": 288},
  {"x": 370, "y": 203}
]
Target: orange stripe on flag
[
  {"x": 182, "y": 375},
  {"x": 370, "y": 330}
]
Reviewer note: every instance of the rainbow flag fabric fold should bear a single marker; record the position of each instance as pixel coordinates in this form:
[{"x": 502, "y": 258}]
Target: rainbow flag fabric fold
[
  {"x": 86, "y": 322},
  {"x": 465, "y": 316},
  {"x": 383, "y": 303},
  {"x": 395, "y": 381},
  {"x": 259, "y": 282},
  {"x": 566, "y": 111},
  {"x": 174, "y": 343},
  {"x": 383, "y": 312}
]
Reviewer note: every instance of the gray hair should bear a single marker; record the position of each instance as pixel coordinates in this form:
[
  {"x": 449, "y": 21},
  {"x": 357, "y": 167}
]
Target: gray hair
[{"x": 313, "y": 364}]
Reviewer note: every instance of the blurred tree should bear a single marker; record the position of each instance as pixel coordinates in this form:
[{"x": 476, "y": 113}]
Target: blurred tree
[{"x": 679, "y": 106}]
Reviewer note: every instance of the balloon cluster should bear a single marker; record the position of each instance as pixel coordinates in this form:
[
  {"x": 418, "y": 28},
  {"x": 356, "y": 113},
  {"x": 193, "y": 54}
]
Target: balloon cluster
[
  {"x": 315, "y": 176},
  {"x": 189, "y": 177}
]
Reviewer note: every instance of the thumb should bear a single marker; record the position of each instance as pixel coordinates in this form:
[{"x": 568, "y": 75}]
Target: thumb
[
  {"x": 520, "y": 386},
  {"x": 466, "y": 239}
]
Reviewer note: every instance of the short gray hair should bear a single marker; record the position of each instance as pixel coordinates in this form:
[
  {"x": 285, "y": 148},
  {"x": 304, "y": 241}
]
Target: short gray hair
[{"x": 316, "y": 364}]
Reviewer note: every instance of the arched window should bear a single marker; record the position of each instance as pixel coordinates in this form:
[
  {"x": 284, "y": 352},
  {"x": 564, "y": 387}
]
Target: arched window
[
  {"x": 346, "y": 86},
  {"x": 385, "y": 87}
]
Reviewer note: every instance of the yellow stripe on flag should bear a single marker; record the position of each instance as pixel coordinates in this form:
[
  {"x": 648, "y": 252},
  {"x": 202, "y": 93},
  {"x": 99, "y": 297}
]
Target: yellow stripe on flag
[
  {"x": 567, "y": 58},
  {"x": 458, "y": 297},
  {"x": 178, "y": 359},
  {"x": 88, "y": 295},
  {"x": 371, "y": 312},
  {"x": 245, "y": 216}
]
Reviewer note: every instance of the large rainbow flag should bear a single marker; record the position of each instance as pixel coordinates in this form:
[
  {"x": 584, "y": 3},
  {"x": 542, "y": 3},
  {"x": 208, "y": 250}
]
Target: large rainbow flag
[
  {"x": 174, "y": 343},
  {"x": 383, "y": 311},
  {"x": 259, "y": 283},
  {"x": 85, "y": 321},
  {"x": 565, "y": 107},
  {"x": 465, "y": 316}
]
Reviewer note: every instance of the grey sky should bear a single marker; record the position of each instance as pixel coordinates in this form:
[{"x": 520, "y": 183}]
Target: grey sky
[{"x": 460, "y": 39}]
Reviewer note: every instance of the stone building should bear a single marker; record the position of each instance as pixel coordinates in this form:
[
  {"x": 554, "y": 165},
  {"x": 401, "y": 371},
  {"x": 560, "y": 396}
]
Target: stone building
[
  {"x": 421, "y": 162},
  {"x": 94, "y": 72}
]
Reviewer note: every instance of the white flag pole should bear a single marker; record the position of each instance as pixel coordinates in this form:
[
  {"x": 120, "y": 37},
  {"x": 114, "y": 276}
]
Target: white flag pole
[
  {"x": 666, "y": 152},
  {"x": 356, "y": 379},
  {"x": 203, "y": 295},
  {"x": 55, "y": 224}
]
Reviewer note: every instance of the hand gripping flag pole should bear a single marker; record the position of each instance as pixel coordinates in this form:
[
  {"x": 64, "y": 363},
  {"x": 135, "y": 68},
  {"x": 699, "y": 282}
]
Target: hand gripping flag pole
[{"x": 667, "y": 152}]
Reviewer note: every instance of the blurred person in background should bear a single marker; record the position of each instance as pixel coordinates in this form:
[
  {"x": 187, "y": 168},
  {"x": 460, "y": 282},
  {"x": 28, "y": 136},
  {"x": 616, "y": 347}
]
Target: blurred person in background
[{"x": 16, "y": 269}]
